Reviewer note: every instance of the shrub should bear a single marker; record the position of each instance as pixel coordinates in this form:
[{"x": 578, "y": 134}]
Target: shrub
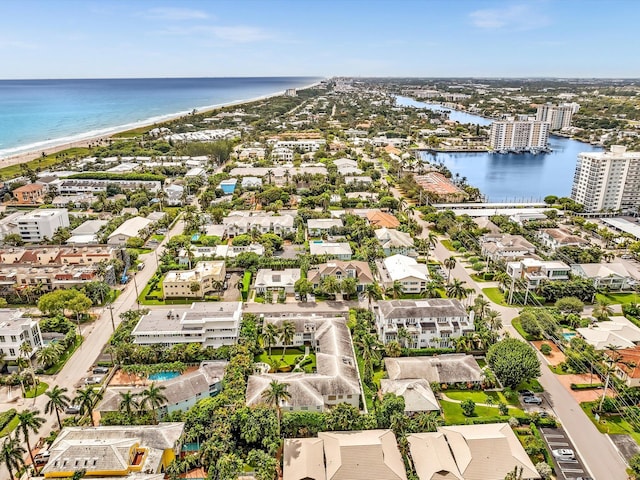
[
  {"x": 514, "y": 422},
  {"x": 468, "y": 407},
  {"x": 502, "y": 407},
  {"x": 544, "y": 470},
  {"x": 546, "y": 349},
  {"x": 6, "y": 417}
]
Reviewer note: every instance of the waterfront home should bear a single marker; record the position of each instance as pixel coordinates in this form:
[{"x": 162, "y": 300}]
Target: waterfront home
[
  {"x": 432, "y": 322},
  {"x": 378, "y": 219},
  {"x": 340, "y": 270},
  {"x": 470, "y": 452},
  {"x": 339, "y": 250},
  {"x": 440, "y": 187},
  {"x": 612, "y": 276},
  {"x": 413, "y": 276},
  {"x": 210, "y": 325},
  {"x": 355, "y": 455},
  {"x": 536, "y": 271},
  {"x": 395, "y": 242},
  {"x": 268, "y": 279},
  {"x": 207, "y": 276}
]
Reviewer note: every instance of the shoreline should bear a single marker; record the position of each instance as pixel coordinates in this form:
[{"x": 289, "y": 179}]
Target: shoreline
[{"x": 65, "y": 143}]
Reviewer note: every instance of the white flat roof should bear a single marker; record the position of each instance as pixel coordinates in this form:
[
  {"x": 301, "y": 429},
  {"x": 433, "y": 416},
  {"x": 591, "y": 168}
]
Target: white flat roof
[
  {"x": 488, "y": 211},
  {"x": 623, "y": 225}
]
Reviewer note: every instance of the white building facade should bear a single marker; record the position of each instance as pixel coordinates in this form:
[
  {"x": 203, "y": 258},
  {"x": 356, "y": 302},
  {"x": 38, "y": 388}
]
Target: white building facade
[
  {"x": 39, "y": 224},
  {"x": 517, "y": 136}
]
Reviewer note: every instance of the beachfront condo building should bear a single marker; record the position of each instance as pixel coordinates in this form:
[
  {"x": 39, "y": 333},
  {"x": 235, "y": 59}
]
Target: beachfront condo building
[
  {"x": 39, "y": 225},
  {"x": 15, "y": 330},
  {"x": 519, "y": 136},
  {"x": 607, "y": 181},
  {"x": 557, "y": 116}
]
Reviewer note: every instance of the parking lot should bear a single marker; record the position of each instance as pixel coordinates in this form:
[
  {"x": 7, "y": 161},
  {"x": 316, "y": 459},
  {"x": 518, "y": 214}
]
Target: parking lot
[{"x": 566, "y": 469}]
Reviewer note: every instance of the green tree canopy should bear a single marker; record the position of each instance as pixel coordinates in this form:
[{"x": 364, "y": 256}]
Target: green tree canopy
[{"x": 513, "y": 361}]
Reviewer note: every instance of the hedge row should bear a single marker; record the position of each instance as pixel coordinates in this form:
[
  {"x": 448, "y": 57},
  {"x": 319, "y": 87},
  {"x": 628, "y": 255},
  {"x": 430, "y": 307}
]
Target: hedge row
[{"x": 6, "y": 417}]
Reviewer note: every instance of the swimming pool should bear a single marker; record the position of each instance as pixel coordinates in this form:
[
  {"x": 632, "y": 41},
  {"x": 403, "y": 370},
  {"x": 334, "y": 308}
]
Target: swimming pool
[
  {"x": 163, "y": 376},
  {"x": 568, "y": 336}
]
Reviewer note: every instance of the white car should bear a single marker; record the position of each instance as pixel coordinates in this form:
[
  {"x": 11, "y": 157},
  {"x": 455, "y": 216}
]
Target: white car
[
  {"x": 93, "y": 380},
  {"x": 564, "y": 454}
]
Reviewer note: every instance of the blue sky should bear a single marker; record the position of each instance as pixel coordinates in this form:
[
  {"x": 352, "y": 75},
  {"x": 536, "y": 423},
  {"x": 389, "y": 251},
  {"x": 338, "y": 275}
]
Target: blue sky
[{"x": 181, "y": 38}]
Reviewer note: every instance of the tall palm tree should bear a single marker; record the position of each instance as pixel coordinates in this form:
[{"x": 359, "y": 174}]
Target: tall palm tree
[
  {"x": 128, "y": 403},
  {"x": 58, "y": 401},
  {"x": 86, "y": 398},
  {"x": 480, "y": 306},
  {"x": 270, "y": 334},
  {"x": 29, "y": 422},
  {"x": 153, "y": 397},
  {"x": 373, "y": 292},
  {"x": 494, "y": 319},
  {"x": 12, "y": 454},
  {"x": 449, "y": 264},
  {"x": 457, "y": 289},
  {"x": 25, "y": 350},
  {"x": 287, "y": 332},
  {"x": 602, "y": 311},
  {"x": 275, "y": 395},
  {"x": 395, "y": 290},
  {"x": 403, "y": 337}
]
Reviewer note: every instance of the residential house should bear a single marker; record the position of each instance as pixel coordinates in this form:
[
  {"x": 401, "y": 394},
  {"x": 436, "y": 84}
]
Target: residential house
[
  {"x": 536, "y": 271},
  {"x": 417, "y": 393},
  {"x": 336, "y": 379},
  {"x": 228, "y": 186},
  {"x": 341, "y": 270},
  {"x": 42, "y": 224},
  {"x": 522, "y": 218},
  {"x": 74, "y": 201},
  {"x": 30, "y": 194},
  {"x": 378, "y": 219},
  {"x": 554, "y": 238},
  {"x": 252, "y": 153},
  {"x": 339, "y": 250},
  {"x": 470, "y": 452},
  {"x": 174, "y": 195},
  {"x": 139, "y": 451},
  {"x": 395, "y": 242},
  {"x": 361, "y": 179},
  {"x": 251, "y": 182},
  {"x": 134, "y": 227},
  {"x": 16, "y": 330},
  {"x": 268, "y": 279},
  {"x": 181, "y": 392},
  {"x": 611, "y": 276},
  {"x": 617, "y": 331},
  {"x": 356, "y": 455},
  {"x": 440, "y": 187},
  {"x": 86, "y": 233},
  {"x": 345, "y": 162},
  {"x": 447, "y": 369},
  {"x": 241, "y": 222},
  {"x": 196, "y": 172},
  {"x": 432, "y": 322},
  {"x": 208, "y": 276},
  {"x": 348, "y": 170},
  {"x": 413, "y": 276},
  {"x": 500, "y": 246},
  {"x": 210, "y": 325},
  {"x": 320, "y": 226}
]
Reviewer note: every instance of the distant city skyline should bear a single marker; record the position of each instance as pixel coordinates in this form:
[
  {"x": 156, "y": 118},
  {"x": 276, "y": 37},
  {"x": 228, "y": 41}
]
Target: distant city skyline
[{"x": 412, "y": 38}]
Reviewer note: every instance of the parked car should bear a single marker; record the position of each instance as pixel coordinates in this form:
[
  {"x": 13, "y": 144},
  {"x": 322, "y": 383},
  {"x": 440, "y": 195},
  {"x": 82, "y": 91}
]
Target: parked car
[
  {"x": 297, "y": 296},
  {"x": 533, "y": 399},
  {"x": 72, "y": 410},
  {"x": 93, "y": 380},
  {"x": 101, "y": 370},
  {"x": 227, "y": 276},
  {"x": 564, "y": 454},
  {"x": 527, "y": 393},
  {"x": 42, "y": 458}
]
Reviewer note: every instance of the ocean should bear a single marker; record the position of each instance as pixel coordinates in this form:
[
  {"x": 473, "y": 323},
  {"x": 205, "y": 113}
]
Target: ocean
[{"x": 37, "y": 114}]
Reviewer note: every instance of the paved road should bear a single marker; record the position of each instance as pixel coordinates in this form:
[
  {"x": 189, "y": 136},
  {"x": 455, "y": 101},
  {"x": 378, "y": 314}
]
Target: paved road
[
  {"x": 600, "y": 457},
  {"x": 96, "y": 336}
]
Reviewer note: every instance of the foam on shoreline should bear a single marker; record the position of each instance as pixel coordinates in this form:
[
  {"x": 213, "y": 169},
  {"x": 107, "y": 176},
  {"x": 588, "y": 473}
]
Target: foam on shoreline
[{"x": 18, "y": 154}]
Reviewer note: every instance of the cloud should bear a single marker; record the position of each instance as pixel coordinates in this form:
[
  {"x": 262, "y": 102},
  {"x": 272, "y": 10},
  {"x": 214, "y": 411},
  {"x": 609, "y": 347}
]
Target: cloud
[
  {"x": 229, "y": 33},
  {"x": 514, "y": 17},
  {"x": 16, "y": 44},
  {"x": 171, "y": 13}
]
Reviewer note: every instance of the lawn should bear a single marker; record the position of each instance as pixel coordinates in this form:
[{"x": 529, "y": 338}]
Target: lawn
[
  {"x": 621, "y": 298},
  {"x": 446, "y": 243},
  {"x": 533, "y": 385},
  {"x": 40, "y": 389},
  {"x": 479, "y": 396},
  {"x": 55, "y": 368},
  {"x": 479, "y": 278},
  {"x": 453, "y": 413},
  {"x": 42, "y": 163},
  {"x": 10, "y": 427},
  {"x": 495, "y": 295},
  {"x": 289, "y": 359},
  {"x": 158, "y": 238},
  {"x": 518, "y": 326},
  {"x": 610, "y": 425}
]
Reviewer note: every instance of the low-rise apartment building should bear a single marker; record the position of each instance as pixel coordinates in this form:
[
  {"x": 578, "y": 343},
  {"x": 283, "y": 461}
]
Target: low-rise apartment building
[
  {"x": 554, "y": 238},
  {"x": 430, "y": 322},
  {"x": 30, "y": 194},
  {"x": 241, "y": 222},
  {"x": 320, "y": 226},
  {"x": 268, "y": 279},
  {"x": 413, "y": 276},
  {"x": 340, "y": 270},
  {"x": 15, "y": 329},
  {"x": 210, "y": 325},
  {"x": 90, "y": 185},
  {"x": 41, "y": 224},
  {"x": 534, "y": 272},
  {"x": 207, "y": 276},
  {"x": 610, "y": 276}
]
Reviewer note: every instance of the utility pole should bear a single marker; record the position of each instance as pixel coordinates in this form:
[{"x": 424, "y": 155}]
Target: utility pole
[
  {"x": 113, "y": 324},
  {"x": 135, "y": 284}
]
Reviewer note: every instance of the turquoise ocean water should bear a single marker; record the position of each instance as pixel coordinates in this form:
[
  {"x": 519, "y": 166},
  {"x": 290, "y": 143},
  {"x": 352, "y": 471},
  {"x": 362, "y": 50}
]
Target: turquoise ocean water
[{"x": 37, "y": 114}]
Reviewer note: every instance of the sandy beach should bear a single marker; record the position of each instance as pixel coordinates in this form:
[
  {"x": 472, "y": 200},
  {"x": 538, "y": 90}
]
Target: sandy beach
[{"x": 85, "y": 142}]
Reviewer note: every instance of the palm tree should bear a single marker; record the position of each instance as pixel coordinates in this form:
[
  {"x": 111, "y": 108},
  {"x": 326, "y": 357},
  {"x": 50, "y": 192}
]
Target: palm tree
[
  {"x": 457, "y": 289},
  {"x": 403, "y": 337},
  {"x": 449, "y": 264},
  {"x": 128, "y": 403},
  {"x": 270, "y": 334},
  {"x": 395, "y": 289},
  {"x": 480, "y": 306},
  {"x": 58, "y": 401},
  {"x": 275, "y": 395},
  {"x": 29, "y": 421},
  {"x": 373, "y": 292},
  {"x": 12, "y": 454},
  {"x": 393, "y": 349},
  {"x": 153, "y": 398},
  {"x": 25, "y": 350},
  {"x": 287, "y": 333},
  {"x": 602, "y": 311},
  {"x": 86, "y": 398},
  {"x": 330, "y": 285}
]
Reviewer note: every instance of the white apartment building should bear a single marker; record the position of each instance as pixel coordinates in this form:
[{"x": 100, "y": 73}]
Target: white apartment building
[
  {"x": 432, "y": 322},
  {"x": 209, "y": 324},
  {"x": 517, "y": 136},
  {"x": 413, "y": 276},
  {"x": 240, "y": 222},
  {"x": 16, "y": 330},
  {"x": 607, "y": 180},
  {"x": 39, "y": 224},
  {"x": 536, "y": 271},
  {"x": 301, "y": 145},
  {"x": 91, "y": 185},
  {"x": 558, "y": 117},
  {"x": 208, "y": 276}
]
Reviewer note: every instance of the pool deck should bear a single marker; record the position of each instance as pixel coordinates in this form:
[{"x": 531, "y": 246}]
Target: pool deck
[{"x": 122, "y": 379}]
